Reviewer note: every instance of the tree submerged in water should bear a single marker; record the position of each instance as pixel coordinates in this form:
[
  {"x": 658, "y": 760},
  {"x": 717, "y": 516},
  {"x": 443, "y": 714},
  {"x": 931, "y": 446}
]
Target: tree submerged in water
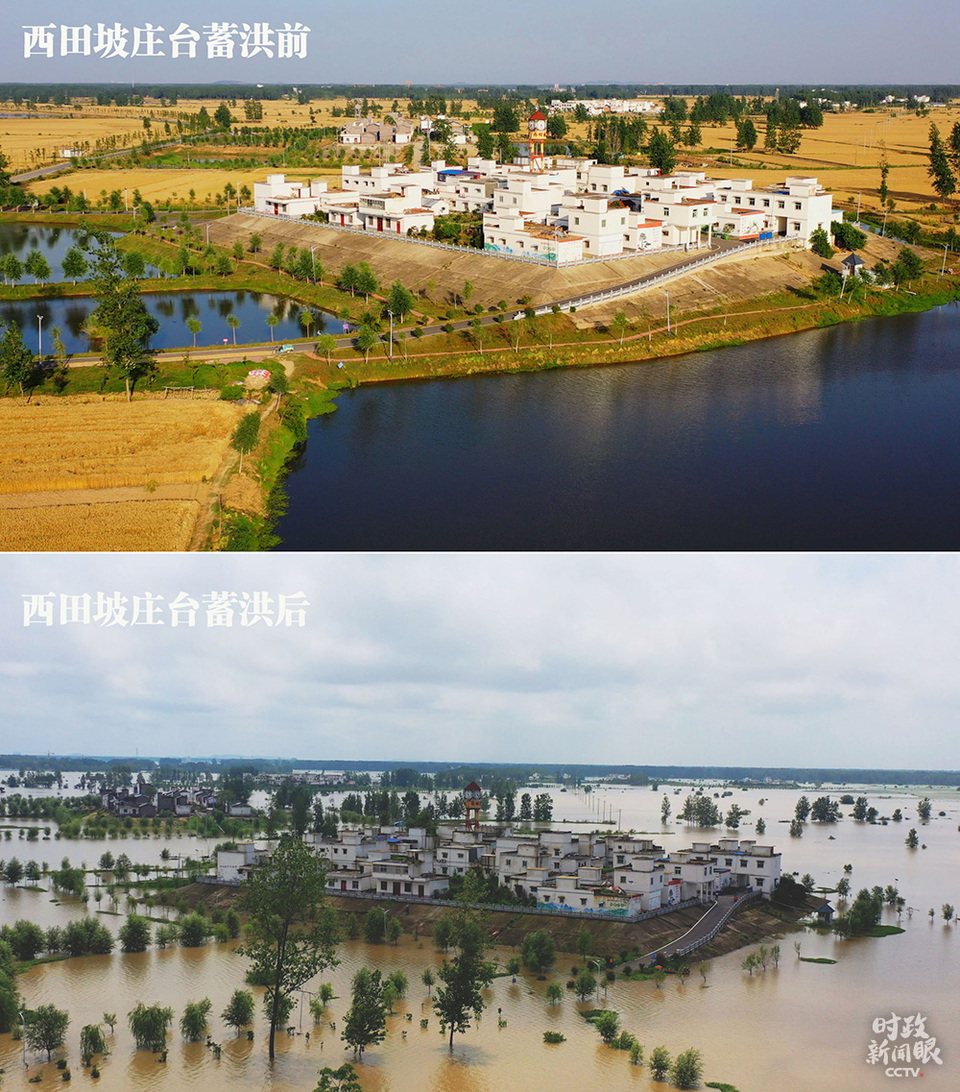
[{"x": 293, "y": 936}]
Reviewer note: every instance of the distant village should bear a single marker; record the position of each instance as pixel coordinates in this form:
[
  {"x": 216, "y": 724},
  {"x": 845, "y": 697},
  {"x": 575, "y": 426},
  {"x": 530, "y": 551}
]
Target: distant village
[
  {"x": 561, "y": 209},
  {"x": 560, "y": 870},
  {"x": 143, "y": 801}
]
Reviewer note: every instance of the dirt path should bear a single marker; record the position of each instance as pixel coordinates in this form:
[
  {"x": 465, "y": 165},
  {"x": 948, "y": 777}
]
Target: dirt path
[{"x": 56, "y": 498}]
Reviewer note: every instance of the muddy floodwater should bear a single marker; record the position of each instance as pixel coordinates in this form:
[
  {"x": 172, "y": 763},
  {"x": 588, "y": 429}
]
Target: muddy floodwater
[{"x": 796, "y": 1027}]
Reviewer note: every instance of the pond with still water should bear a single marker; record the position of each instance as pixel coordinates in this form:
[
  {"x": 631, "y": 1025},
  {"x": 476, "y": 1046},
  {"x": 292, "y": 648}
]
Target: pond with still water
[{"x": 173, "y": 310}]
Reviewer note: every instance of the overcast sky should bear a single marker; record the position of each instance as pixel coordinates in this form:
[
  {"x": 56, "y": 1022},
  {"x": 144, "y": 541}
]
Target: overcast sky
[
  {"x": 501, "y": 41},
  {"x": 728, "y": 659}
]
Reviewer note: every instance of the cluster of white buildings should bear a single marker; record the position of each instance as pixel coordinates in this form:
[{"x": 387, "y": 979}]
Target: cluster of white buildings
[
  {"x": 596, "y": 107},
  {"x": 399, "y": 131},
  {"x": 561, "y": 209},
  {"x": 563, "y": 870}
]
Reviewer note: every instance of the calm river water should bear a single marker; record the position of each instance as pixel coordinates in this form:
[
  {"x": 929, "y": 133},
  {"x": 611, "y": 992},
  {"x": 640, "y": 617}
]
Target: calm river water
[
  {"x": 843, "y": 438},
  {"x": 797, "y": 1027}
]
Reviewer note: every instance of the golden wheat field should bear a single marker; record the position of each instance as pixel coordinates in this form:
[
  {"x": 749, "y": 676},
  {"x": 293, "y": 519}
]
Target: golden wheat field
[
  {"x": 132, "y": 525},
  {"x": 58, "y": 445},
  {"x": 157, "y": 186},
  {"x": 845, "y": 154},
  {"x": 19, "y": 137}
]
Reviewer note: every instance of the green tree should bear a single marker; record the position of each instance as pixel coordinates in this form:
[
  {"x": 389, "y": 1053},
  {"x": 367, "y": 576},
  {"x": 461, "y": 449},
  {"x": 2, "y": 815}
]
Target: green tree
[
  {"x": 802, "y": 809},
  {"x": 133, "y": 264},
  {"x": 246, "y": 434},
  {"x": 91, "y": 1042},
  {"x": 460, "y": 997},
  {"x": 120, "y": 319},
  {"x": 47, "y": 1029},
  {"x": 542, "y": 808},
  {"x": 110, "y": 1019},
  {"x": 233, "y": 322},
  {"x": 307, "y": 317},
  {"x": 193, "y": 1023},
  {"x": 74, "y": 264},
  {"x": 660, "y": 1062},
  {"x": 924, "y": 808},
  {"x": 366, "y": 1019},
  {"x": 427, "y": 978},
  {"x": 912, "y": 840},
  {"x": 399, "y": 301},
  {"x": 256, "y": 244},
  {"x": 375, "y": 925},
  {"x": 239, "y": 1011},
  {"x": 619, "y": 325},
  {"x": 12, "y": 268},
  {"x": 292, "y": 935},
  {"x": 884, "y": 192},
  {"x": 608, "y": 1025},
  {"x": 940, "y": 172},
  {"x": 148, "y": 1025},
  {"x": 222, "y": 116},
  {"x": 485, "y": 142},
  {"x": 16, "y": 367},
  {"x": 326, "y": 344},
  {"x": 820, "y": 243},
  {"x": 538, "y": 951},
  {"x": 365, "y": 340},
  {"x": 584, "y": 940},
  {"x": 661, "y": 151},
  {"x": 273, "y": 320},
  {"x": 905, "y": 268},
  {"x": 37, "y": 266},
  {"x": 554, "y": 993},
  {"x": 193, "y": 931},
  {"x": 135, "y": 934},
  {"x": 847, "y": 237},
  {"x": 26, "y": 939},
  {"x": 367, "y": 282},
  {"x": 687, "y": 1069},
  {"x": 194, "y": 326},
  {"x": 343, "y": 1079},
  {"x": 746, "y": 135}
]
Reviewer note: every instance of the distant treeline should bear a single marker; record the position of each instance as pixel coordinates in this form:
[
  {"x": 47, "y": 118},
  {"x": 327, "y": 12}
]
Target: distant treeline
[
  {"x": 449, "y": 774},
  {"x": 123, "y": 95}
]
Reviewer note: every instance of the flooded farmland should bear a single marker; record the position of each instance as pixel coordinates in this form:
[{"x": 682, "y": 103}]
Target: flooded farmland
[{"x": 796, "y": 1026}]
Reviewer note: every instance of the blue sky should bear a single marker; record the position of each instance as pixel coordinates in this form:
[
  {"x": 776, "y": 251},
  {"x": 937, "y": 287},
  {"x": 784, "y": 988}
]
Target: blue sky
[
  {"x": 500, "y": 41},
  {"x": 698, "y": 659}
]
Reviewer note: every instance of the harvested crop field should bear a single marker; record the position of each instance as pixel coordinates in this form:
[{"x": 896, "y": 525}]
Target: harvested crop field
[
  {"x": 84, "y": 474},
  {"x": 130, "y": 525}
]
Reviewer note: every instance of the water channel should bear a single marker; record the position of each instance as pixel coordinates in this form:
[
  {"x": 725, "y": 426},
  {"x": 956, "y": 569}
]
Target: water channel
[
  {"x": 53, "y": 242},
  {"x": 792, "y": 1028},
  {"x": 172, "y": 310},
  {"x": 840, "y": 438}
]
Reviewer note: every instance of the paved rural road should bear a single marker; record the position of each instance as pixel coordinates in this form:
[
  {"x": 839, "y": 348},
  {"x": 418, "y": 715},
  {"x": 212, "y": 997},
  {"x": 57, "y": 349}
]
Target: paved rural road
[{"x": 701, "y": 930}]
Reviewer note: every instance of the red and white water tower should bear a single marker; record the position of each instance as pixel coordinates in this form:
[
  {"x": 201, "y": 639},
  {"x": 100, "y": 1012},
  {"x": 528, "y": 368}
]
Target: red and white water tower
[{"x": 537, "y": 136}]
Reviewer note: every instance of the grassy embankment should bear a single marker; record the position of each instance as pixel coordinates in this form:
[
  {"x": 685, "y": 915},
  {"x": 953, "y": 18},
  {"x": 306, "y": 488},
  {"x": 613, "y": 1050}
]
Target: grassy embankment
[{"x": 623, "y": 941}]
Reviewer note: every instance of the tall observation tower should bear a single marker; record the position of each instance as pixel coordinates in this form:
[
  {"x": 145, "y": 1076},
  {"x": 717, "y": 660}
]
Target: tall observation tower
[
  {"x": 537, "y": 136},
  {"x": 472, "y": 803}
]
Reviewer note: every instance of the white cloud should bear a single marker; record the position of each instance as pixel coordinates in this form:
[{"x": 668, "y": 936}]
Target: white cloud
[{"x": 719, "y": 659}]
